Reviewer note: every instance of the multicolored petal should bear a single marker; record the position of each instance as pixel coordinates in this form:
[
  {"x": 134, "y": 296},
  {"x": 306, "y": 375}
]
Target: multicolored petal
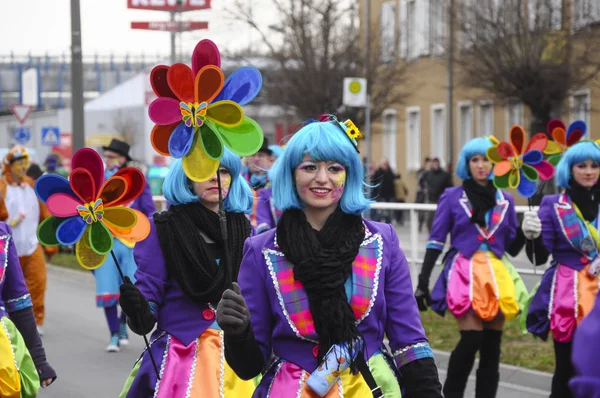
[
  {"x": 554, "y": 159},
  {"x": 70, "y": 230},
  {"x": 46, "y": 232},
  {"x": 529, "y": 172},
  {"x": 101, "y": 240},
  {"x": 86, "y": 255},
  {"x": 49, "y": 184},
  {"x": 90, "y": 160},
  {"x": 137, "y": 233},
  {"x": 181, "y": 81},
  {"x": 205, "y": 53},
  {"x": 158, "y": 80},
  {"x": 526, "y": 187},
  {"x": 517, "y": 139},
  {"x": 552, "y": 148},
  {"x": 63, "y": 205},
  {"x": 225, "y": 113},
  {"x": 506, "y": 150},
  {"x": 136, "y": 182},
  {"x": 120, "y": 217},
  {"x": 501, "y": 168},
  {"x": 113, "y": 190},
  {"x": 181, "y": 140},
  {"x": 164, "y": 111},
  {"x": 560, "y": 136},
  {"x": 243, "y": 140},
  {"x": 197, "y": 165},
  {"x": 538, "y": 142},
  {"x": 533, "y": 157},
  {"x": 493, "y": 155},
  {"x": 242, "y": 86},
  {"x": 160, "y": 138},
  {"x": 555, "y": 123},
  {"x": 208, "y": 84},
  {"x": 514, "y": 178},
  {"x": 577, "y": 125},
  {"x": 213, "y": 147},
  {"x": 501, "y": 182},
  {"x": 545, "y": 170},
  {"x": 83, "y": 184},
  {"x": 574, "y": 137}
]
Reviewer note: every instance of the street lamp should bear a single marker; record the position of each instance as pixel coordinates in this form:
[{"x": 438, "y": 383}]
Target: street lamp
[{"x": 77, "y": 116}]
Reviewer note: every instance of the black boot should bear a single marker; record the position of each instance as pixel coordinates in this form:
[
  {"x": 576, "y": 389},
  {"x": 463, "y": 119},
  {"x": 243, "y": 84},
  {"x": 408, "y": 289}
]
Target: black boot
[
  {"x": 461, "y": 363},
  {"x": 489, "y": 365},
  {"x": 563, "y": 371}
]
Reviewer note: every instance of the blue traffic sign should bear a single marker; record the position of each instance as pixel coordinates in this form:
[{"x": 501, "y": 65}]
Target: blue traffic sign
[
  {"x": 50, "y": 136},
  {"x": 22, "y": 135}
]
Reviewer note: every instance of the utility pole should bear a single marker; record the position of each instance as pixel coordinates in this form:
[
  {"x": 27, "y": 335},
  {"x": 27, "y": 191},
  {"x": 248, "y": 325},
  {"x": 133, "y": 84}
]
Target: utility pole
[
  {"x": 367, "y": 62},
  {"x": 450, "y": 104},
  {"x": 78, "y": 126},
  {"x": 173, "y": 35}
]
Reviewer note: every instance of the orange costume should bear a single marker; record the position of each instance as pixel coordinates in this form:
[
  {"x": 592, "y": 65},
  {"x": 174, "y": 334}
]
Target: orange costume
[{"x": 23, "y": 211}]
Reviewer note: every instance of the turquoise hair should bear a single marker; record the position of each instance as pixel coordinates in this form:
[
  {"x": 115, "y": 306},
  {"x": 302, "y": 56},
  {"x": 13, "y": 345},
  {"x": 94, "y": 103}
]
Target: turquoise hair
[
  {"x": 240, "y": 199},
  {"x": 476, "y": 146},
  {"x": 322, "y": 141},
  {"x": 580, "y": 152}
]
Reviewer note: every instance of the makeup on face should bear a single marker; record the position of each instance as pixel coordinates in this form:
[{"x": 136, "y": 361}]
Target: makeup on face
[
  {"x": 586, "y": 173},
  {"x": 480, "y": 167},
  {"x": 320, "y": 183},
  {"x": 208, "y": 191}
]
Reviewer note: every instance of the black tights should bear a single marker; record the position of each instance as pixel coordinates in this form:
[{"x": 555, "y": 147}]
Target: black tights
[
  {"x": 563, "y": 370},
  {"x": 462, "y": 359}
]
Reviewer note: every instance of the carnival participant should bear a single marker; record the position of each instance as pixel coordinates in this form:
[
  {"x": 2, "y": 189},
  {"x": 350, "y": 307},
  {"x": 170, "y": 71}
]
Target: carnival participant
[
  {"x": 23, "y": 364},
  {"x": 266, "y": 213},
  {"x": 586, "y": 345},
  {"x": 567, "y": 228},
  {"x": 180, "y": 279},
  {"x": 108, "y": 280},
  {"x": 321, "y": 290},
  {"x": 23, "y": 211},
  {"x": 478, "y": 285}
]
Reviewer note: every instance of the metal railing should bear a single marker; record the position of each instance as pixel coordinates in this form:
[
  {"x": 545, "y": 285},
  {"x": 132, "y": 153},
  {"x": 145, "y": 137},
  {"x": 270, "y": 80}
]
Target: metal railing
[{"x": 412, "y": 255}]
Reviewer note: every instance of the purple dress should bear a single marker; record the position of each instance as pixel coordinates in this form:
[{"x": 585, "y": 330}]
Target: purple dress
[
  {"x": 380, "y": 294},
  {"x": 266, "y": 213},
  {"x": 567, "y": 291},
  {"x": 586, "y": 346}
]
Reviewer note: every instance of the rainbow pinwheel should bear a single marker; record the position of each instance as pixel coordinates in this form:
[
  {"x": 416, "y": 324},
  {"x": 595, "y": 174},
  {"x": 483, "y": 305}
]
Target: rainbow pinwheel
[
  {"x": 518, "y": 165},
  {"x": 563, "y": 138},
  {"x": 198, "y": 111},
  {"x": 89, "y": 212}
]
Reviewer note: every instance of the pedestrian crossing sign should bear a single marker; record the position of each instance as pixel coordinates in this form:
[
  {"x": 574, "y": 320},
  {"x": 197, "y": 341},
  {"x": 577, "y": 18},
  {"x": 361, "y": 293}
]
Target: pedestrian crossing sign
[{"x": 50, "y": 136}]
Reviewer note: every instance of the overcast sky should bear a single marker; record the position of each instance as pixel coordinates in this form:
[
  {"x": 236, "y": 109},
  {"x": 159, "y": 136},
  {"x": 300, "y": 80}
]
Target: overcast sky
[{"x": 44, "y": 26}]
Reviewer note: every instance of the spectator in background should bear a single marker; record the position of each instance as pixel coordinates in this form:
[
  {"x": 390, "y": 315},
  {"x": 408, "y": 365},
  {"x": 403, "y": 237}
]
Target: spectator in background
[
  {"x": 422, "y": 189},
  {"x": 258, "y": 165},
  {"x": 436, "y": 182},
  {"x": 34, "y": 171},
  {"x": 383, "y": 179},
  {"x": 401, "y": 192},
  {"x": 53, "y": 165}
]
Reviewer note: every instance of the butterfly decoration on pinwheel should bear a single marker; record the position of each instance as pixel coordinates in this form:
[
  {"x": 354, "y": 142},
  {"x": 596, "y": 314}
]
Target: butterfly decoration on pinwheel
[
  {"x": 520, "y": 164},
  {"x": 563, "y": 138},
  {"x": 90, "y": 212},
  {"x": 197, "y": 111}
]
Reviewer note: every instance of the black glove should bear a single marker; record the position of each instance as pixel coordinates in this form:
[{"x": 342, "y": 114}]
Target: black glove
[
  {"x": 233, "y": 315},
  {"x": 423, "y": 299},
  {"x": 422, "y": 292},
  {"x": 420, "y": 379},
  {"x": 136, "y": 307}
]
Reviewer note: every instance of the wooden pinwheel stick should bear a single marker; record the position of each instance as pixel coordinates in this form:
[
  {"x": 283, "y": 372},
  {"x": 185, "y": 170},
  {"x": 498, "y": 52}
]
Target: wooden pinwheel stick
[
  {"x": 112, "y": 253},
  {"x": 223, "y": 224}
]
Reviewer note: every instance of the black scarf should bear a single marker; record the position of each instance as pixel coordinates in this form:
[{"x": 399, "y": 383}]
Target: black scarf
[
  {"x": 187, "y": 256},
  {"x": 482, "y": 199},
  {"x": 322, "y": 263},
  {"x": 586, "y": 199}
]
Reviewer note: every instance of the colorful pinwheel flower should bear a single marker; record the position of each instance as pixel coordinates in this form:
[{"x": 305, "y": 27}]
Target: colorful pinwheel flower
[
  {"x": 91, "y": 213},
  {"x": 198, "y": 111},
  {"x": 518, "y": 165},
  {"x": 563, "y": 138}
]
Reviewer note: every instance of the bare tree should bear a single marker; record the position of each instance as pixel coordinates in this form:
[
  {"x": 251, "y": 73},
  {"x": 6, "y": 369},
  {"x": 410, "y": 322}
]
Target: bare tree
[
  {"x": 527, "y": 50},
  {"x": 126, "y": 125},
  {"x": 315, "y": 46}
]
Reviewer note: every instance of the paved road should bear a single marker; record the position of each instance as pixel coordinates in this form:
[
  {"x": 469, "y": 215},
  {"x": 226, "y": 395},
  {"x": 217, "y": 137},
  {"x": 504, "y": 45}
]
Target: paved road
[{"x": 76, "y": 334}]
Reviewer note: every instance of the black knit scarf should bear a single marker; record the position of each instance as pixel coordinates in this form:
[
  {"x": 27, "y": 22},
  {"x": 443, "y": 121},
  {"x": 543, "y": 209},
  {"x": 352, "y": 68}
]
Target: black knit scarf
[
  {"x": 586, "y": 199},
  {"x": 187, "y": 257},
  {"x": 482, "y": 199},
  {"x": 322, "y": 263}
]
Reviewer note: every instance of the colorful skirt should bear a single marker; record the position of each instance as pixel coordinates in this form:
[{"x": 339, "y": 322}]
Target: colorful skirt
[
  {"x": 18, "y": 376},
  {"x": 562, "y": 299},
  {"x": 285, "y": 379},
  {"x": 196, "y": 370},
  {"x": 483, "y": 283}
]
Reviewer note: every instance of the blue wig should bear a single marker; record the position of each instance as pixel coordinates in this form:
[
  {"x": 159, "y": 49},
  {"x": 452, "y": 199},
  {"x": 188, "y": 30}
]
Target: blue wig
[
  {"x": 476, "y": 146},
  {"x": 322, "y": 141},
  {"x": 580, "y": 152},
  {"x": 176, "y": 187}
]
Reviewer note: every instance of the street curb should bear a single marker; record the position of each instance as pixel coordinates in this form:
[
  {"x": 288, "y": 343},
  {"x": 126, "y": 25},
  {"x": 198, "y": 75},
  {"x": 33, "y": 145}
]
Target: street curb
[{"x": 514, "y": 377}]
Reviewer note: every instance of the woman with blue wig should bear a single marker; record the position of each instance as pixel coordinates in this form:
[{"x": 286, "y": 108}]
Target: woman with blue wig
[
  {"x": 320, "y": 291},
  {"x": 478, "y": 285},
  {"x": 567, "y": 228},
  {"x": 179, "y": 282}
]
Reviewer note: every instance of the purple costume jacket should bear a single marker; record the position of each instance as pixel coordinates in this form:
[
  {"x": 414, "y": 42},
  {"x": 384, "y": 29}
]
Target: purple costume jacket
[
  {"x": 14, "y": 295},
  {"x": 266, "y": 214},
  {"x": 382, "y": 300},
  {"x": 453, "y": 215},
  {"x": 586, "y": 346}
]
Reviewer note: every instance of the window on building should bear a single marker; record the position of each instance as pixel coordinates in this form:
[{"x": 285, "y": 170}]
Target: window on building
[
  {"x": 514, "y": 116},
  {"x": 413, "y": 138},
  {"x": 486, "y": 119},
  {"x": 585, "y": 12},
  {"x": 545, "y": 14},
  {"x": 438, "y": 15},
  {"x": 580, "y": 106},
  {"x": 438, "y": 132},
  {"x": 390, "y": 132},
  {"x": 411, "y": 19},
  {"x": 465, "y": 123},
  {"x": 387, "y": 25}
]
